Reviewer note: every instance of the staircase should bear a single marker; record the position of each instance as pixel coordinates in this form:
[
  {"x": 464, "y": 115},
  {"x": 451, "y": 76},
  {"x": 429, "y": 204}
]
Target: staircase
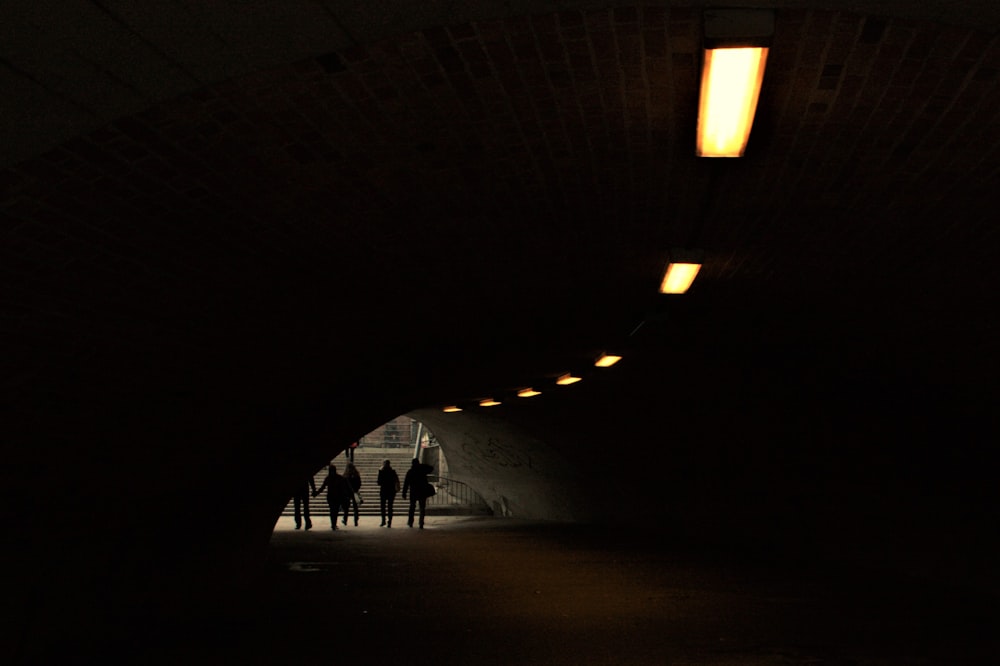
[
  {"x": 453, "y": 497},
  {"x": 368, "y": 460}
]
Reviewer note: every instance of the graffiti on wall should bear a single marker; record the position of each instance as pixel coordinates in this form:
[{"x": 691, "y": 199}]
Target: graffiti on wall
[{"x": 493, "y": 454}]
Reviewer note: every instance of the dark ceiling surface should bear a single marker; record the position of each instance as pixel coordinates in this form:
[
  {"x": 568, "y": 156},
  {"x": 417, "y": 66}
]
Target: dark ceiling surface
[{"x": 467, "y": 206}]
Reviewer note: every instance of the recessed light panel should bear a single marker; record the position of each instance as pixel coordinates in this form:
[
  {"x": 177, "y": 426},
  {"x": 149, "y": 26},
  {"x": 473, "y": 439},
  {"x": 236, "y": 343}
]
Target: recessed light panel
[
  {"x": 730, "y": 85},
  {"x": 607, "y": 360},
  {"x": 678, "y": 278}
]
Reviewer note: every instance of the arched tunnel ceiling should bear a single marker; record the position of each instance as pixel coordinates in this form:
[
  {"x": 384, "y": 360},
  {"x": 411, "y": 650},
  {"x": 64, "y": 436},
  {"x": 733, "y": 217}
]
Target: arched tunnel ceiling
[
  {"x": 76, "y": 65},
  {"x": 318, "y": 196}
]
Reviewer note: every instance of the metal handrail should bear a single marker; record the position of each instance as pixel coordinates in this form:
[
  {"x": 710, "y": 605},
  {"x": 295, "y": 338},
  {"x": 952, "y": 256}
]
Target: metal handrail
[
  {"x": 454, "y": 494},
  {"x": 451, "y": 496}
]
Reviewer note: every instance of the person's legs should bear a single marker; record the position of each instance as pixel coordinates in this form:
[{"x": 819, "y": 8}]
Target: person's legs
[
  {"x": 413, "y": 506},
  {"x": 382, "y": 500},
  {"x": 354, "y": 503},
  {"x": 390, "y": 502},
  {"x": 296, "y": 502},
  {"x": 347, "y": 508},
  {"x": 423, "y": 511},
  {"x": 305, "y": 512},
  {"x": 334, "y": 510}
]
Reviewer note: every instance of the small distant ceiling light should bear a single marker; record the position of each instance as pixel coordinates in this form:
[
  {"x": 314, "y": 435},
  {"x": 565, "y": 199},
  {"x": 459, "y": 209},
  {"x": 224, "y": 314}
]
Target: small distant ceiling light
[
  {"x": 683, "y": 265},
  {"x": 489, "y": 402},
  {"x": 452, "y": 408},
  {"x": 568, "y": 379},
  {"x": 736, "y": 47},
  {"x": 678, "y": 277},
  {"x": 528, "y": 393},
  {"x": 607, "y": 360}
]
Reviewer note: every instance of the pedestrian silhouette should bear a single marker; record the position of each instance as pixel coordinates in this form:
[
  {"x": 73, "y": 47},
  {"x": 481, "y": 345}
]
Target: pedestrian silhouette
[
  {"x": 338, "y": 492},
  {"x": 300, "y": 500},
  {"x": 419, "y": 488},
  {"x": 354, "y": 478},
  {"x": 388, "y": 486},
  {"x": 349, "y": 451}
]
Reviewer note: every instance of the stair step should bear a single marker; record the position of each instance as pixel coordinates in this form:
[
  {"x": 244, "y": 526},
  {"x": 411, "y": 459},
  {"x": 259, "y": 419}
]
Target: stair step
[{"x": 368, "y": 461}]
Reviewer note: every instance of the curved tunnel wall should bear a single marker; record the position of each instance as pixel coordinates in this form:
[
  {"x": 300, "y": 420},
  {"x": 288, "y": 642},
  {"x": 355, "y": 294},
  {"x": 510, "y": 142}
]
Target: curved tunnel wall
[
  {"x": 518, "y": 475},
  {"x": 812, "y": 456},
  {"x": 184, "y": 306}
]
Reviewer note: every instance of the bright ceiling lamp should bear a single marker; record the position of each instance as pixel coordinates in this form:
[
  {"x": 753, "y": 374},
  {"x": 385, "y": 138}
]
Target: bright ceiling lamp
[
  {"x": 730, "y": 85},
  {"x": 683, "y": 264},
  {"x": 607, "y": 360},
  {"x": 528, "y": 393},
  {"x": 736, "y": 46},
  {"x": 678, "y": 277},
  {"x": 452, "y": 408},
  {"x": 567, "y": 379},
  {"x": 489, "y": 402}
]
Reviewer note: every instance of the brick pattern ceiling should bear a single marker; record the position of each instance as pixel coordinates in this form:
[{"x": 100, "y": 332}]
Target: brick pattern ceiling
[{"x": 499, "y": 186}]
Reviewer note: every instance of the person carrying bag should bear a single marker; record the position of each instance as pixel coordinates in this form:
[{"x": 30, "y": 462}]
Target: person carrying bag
[
  {"x": 353, "y": 477},
  {"x": 419, "y": 488}
]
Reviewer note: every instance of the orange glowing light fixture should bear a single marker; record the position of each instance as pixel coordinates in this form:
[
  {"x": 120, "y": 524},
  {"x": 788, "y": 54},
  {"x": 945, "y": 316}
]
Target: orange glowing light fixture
[
  {"x": 568, "y": 379},
  {"x": 528, "y": 393},
  {"x": 607, "y": 360},
  {"x": 736, "y": 42},
  {"x": 489, "y": 402},
  {"x": 678, "y": 277},
  {"x": 730, "y": 86},
  {"x": 452, "y": 408}
]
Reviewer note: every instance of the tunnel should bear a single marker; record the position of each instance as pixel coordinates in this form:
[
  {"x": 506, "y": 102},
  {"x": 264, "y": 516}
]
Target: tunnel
[{"x": 237, "y": 237}]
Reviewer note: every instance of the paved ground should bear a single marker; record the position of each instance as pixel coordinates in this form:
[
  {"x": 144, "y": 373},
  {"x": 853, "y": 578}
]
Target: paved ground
[{"x": 496, "y": 592}]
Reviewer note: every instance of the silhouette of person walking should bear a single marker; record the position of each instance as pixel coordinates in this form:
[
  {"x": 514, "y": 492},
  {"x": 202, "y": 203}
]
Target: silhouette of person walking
[
  {"x": 419, "y": 488},
  {"x": 388, "y": 486},
  {"x": 354, "y": 478},
  {"x": 338, "y": 490},
  {"x": 349, "y": 452},
  {"x": 300, "y": 500}
]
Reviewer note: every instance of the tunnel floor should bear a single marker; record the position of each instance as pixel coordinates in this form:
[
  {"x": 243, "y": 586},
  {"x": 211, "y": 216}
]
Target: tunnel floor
[{"x": 495, "y": 591}]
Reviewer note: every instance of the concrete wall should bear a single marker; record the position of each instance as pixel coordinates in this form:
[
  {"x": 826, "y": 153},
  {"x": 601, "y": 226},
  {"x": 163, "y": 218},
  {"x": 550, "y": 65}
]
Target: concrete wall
[
  {"x": 518, "y": 474},
  {"x": 811, "y": 458}
]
